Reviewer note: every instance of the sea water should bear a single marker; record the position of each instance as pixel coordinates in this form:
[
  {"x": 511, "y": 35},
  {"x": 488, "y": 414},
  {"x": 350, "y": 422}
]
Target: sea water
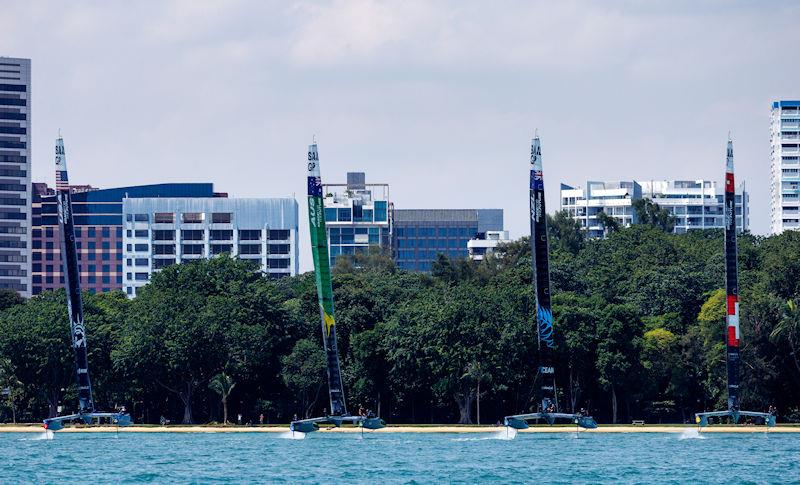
[{"x": 399, "y": 458}]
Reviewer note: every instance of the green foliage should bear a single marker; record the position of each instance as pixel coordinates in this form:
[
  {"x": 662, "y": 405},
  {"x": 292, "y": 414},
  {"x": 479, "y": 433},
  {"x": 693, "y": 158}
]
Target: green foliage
[
  {"x": 638, "y": 318},
  {"x": 651, "y": 214}
]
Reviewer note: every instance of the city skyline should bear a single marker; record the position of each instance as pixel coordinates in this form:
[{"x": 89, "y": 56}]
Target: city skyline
[{"x": 438, "y": 100}]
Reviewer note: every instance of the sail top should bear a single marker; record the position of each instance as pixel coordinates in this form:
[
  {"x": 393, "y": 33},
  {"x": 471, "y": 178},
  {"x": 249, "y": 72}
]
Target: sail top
[
  {"x": 62, "y": 181},
  {"x": 729, "y": 161},
  {"x": 313, "y": 160},
  {"x": 536, "y": 154}
]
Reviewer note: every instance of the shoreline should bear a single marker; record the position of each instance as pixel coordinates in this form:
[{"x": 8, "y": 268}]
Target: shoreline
[{"x": 36, "y": 428}]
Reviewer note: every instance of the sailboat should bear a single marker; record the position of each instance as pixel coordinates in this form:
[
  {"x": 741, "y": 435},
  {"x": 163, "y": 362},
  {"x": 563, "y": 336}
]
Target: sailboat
[
  {"x": 322, "y": 270},
  {"x": 732, "y": 334},
  {"x": 549, "y": 408},
  {"x": 86, "y": 410}
]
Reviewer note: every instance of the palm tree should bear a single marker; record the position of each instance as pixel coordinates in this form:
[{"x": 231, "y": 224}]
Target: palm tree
[
  {"x": 789, "y": 327},
  {"x": 222, "y": 384}
]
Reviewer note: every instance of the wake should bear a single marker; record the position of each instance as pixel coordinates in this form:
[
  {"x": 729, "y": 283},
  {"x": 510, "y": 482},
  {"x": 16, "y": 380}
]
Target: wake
[
  {"x": 46, "y": 435},
  {"x": 506, "y": 434},
  {"x": 292, "y": 435},
  {"x": 691, "y": 434}
]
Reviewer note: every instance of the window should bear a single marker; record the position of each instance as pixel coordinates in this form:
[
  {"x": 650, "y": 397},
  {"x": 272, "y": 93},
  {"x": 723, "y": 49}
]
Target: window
[
  {"x": 192, "y": 234},
  {"x": 380, "y": 211},
  {"x": 129, "y": 233},
  {"x": 141, "y": 217},
  {"x": 250, "y": 235},
  {"x": 106, "y": 268},
  {"x": 249, "y": 249},
  {"x": 129, "y": 276},
  {"x": 106, "y": 280},
  {"x": 192, "y": 249},
  {"x": 278, "y": 263},
  {"x": 192, "y": 217},
  {"x": 221, "y": 235},
  {"x": 163, "y": 235},
  {"x": 90, "y": 232},
  {"x": 48, "y": 245},
  {"x": 344, "y": 215},
  {"x": 221, "y": 217},
  {"x": 279, "y": 234},
  {"x": 92, "y": 268},
  {"x": 106, "y": 232},
  {"x": 129, "y": 290},
  {"x": 92, "y": 279},
  {"x": 278, "y": 249},
  {"x": 91, "y": 245},
  {"x": 140, "y": 233},
  {"x": 221, "y": 248},
  {"x": 48, "y": 231},
  {"x": 163, "y": 249},
  {"x": 141, "y": 261},
  {"x": 140, "y": 247},
  {"x": 119, "y": 232},
  {"x": 106, "y": 245},
  {"x": 77, "y": 232},
  {"x": 330, "y": 214},
  {"x": 164, "y": 218},
  {"x": 141, "y": 276},
  {"x": 161, "y": 263}
]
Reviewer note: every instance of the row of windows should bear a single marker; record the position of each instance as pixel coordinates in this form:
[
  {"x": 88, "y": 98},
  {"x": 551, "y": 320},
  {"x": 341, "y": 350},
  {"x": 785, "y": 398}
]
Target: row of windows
[
  {"x": 89, "y": 256},
  {"x": 90, "y": 279},
  {"x": 91, "y": 268},
  {"x": 13, "y": 130},
  {"x": 432, "y": 243},
  {"x": 357, "y": 213},
  {"x": 10, "y": 115},
  {"x": 8, "y": 158},
  {"x": 186, "y": 217},
  {"x": 430, "y": 254},
  {"x": 13, "y": 101},
  {"x": 349, "y": 231},
  {"x": 350, "y": 239},
  {"x": 79, "y": 231},
  {"x": 436, "y": 231}
]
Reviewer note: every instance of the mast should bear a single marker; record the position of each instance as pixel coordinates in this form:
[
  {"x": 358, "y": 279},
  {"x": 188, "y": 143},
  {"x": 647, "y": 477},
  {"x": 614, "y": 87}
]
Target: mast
[
  {"x": 69, "y": 258},
  {"x": 541, "y": 281},
  {"x": 731, "y": 285},
  {"x": 319, "y": 250}
]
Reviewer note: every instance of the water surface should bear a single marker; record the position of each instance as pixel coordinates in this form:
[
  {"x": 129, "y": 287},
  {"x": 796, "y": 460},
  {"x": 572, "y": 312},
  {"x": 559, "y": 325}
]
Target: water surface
[{"x": 399, "y": 458}]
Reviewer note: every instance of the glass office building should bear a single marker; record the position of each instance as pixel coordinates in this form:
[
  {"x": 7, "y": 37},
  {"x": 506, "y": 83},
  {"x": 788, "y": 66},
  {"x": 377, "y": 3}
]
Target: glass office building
[
  {"x": 420, "y": 235},
  {"x": 357, "y": 216}
]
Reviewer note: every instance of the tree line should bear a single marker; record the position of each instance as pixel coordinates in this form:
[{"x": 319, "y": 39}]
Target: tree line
[{"x": 638, "y": 318}]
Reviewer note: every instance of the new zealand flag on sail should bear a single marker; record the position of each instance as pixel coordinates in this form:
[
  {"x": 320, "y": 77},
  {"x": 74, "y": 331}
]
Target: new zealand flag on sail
[{"x": 537, "y": 180}]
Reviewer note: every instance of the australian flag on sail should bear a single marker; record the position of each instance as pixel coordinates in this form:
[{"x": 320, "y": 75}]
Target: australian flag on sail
[
  {"x": 315, "y": 186},
  {"x": 62, "y": 182}
]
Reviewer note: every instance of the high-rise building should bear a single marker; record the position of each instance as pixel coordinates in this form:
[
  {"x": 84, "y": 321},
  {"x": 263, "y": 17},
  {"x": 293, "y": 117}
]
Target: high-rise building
[
  {"x": 98, "y": 232},
  {"x": 164, "y": 231},
  {"x": 695, "y": 204},
  {"x": 785, "y": 158},
  {"x": 420, "y": 235},
  {"x": 15, "y": 174},
  {"x": 357, "y": 216}
]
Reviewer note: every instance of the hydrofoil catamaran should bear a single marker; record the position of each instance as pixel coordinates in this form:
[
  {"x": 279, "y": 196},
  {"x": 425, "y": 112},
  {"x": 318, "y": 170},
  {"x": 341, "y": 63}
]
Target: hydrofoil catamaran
[
  {"x": 732, "y": 334},
  {"x": 548, "y": 411},
  {"x": 86, "y": 412},
  {"x": 322, "y": 270}
]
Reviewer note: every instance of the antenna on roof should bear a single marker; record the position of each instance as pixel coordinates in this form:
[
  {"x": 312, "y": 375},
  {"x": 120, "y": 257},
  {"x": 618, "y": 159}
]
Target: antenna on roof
[
  {"x": 59, "y": 132},
  {"x": 314, "y": 139},
  {"x": 536, "y": 132},
  {"x": 729, "y": 135}
]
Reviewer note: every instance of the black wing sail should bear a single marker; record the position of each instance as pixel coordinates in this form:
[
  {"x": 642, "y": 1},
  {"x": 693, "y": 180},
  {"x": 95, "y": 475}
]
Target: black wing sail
[{"x": 69, "y": 258}]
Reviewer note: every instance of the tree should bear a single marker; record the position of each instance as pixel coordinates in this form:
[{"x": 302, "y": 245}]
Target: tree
[
  {"x": 788, "y": 330},
  {"x": 11, "y": 388},
  {"x": 304, "y": 373},
  {"x": 9, "y": 298},
  {"x": 651, "y": 214},
  {"x": 223, "y": 385},
  {"x": 565, "y": 232},
  {"x": 609, "y": 224}
]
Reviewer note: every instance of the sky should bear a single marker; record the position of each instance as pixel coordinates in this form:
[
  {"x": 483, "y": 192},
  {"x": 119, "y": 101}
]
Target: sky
[{"x": 437, "y": 98}]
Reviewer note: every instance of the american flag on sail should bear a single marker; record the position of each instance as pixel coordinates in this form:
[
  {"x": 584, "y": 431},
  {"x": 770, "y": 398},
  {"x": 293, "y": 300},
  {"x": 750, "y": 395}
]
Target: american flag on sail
[{"x": 62, "y": 182}]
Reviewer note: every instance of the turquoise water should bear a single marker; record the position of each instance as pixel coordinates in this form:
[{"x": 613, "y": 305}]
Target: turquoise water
[{"x": 399, "y": 458}]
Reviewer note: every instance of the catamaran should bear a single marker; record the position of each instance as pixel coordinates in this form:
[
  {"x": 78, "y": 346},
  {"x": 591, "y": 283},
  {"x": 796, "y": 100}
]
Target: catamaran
[
  {"x": 732, "y": 334},
  {"x": 322, "y": 270},
  {"x": 86, "y": 411},
  {"x": 549, "y": 409}
]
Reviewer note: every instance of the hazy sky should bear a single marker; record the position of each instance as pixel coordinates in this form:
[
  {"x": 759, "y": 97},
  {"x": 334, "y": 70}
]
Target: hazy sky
[{"x": 437, "y": 98}]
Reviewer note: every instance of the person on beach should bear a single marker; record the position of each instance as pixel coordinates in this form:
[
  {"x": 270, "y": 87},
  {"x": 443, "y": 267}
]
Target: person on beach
[
  {"x": 261, "y": 418},
  {"x": 239, "y": 419}
]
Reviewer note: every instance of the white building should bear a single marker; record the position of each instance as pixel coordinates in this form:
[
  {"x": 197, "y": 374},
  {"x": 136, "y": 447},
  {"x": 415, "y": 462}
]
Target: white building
[
  {"x": 15, "y": 174},
  {"x": 695, "y": 204},
  {"x": 785, "y": 158},
  {"x": 485, "y": 242},
  {"x": 162, "y": 231}
]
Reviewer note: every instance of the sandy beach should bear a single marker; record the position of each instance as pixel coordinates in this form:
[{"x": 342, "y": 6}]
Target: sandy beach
[{"x": 36, "y": 428}]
